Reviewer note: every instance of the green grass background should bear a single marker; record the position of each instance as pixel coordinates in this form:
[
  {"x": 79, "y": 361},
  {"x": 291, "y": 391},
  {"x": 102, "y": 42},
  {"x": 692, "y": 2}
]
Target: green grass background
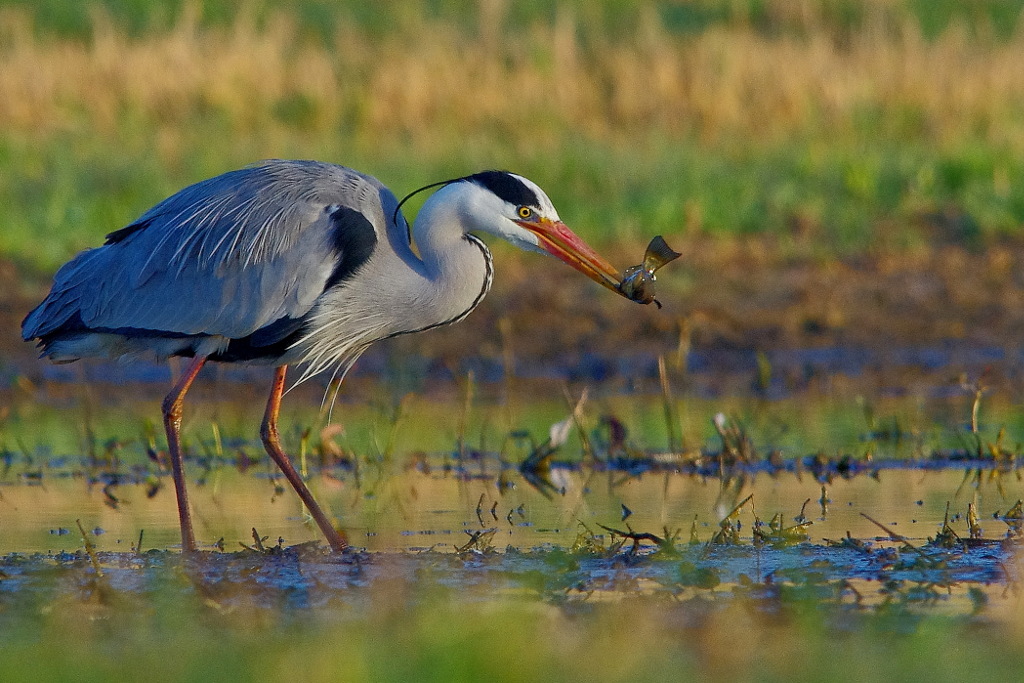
[{"x": 884, "y": 173}]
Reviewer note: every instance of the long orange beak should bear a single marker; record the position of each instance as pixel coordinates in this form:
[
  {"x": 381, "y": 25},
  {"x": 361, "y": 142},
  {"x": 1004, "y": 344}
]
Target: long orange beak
[{"x": 559, "y": 240}]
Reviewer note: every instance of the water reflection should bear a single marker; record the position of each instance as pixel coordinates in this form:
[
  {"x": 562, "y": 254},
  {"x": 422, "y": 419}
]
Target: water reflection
[{"x": 439, "y": 509}]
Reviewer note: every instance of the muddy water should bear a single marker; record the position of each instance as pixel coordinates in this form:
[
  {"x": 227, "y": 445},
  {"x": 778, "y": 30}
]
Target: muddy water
[
  {"x": 415, "y": 510},
  {"x": 412, "y": 513}
]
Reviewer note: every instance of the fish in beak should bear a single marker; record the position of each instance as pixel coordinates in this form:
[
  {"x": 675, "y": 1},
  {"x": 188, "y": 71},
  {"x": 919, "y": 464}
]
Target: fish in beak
[{"x": 638, "y": 281}]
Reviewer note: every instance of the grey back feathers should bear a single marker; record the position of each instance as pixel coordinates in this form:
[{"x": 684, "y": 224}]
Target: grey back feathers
[{"x": 223, "y": 258}]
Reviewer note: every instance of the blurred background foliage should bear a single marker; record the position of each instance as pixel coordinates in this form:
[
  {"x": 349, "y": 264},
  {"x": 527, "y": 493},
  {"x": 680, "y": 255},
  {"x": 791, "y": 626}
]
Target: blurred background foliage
[{"x": 835, "y": 127}]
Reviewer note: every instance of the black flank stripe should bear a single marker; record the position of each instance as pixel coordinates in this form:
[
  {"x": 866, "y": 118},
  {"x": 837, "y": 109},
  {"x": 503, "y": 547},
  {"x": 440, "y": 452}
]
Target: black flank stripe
[{"x": 268, "y": 342}]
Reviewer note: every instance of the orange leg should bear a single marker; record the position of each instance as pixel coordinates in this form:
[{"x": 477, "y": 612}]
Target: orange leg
[
  {"x": 172, "y": 425},
  {"x": 272, "y": 443}
]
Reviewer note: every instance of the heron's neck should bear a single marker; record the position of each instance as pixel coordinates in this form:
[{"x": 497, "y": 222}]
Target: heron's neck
[
  {"x": 456, "y": 265},
  {"x": 440, "y": 236}
]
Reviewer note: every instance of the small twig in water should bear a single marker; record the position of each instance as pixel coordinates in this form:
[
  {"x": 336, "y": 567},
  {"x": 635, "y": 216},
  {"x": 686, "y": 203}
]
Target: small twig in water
[
  {"x": 90, "y": 549},
  {"x": 479, "y": 541},
  {"x": 801, "y": 517},
  {"x": 888, "y": 532},
  {"x": 634, "y": 536},
  {"x": 896, "y": 537},
  {"x": 258, "y": 541},
  {"x": 480, "y": 508}
]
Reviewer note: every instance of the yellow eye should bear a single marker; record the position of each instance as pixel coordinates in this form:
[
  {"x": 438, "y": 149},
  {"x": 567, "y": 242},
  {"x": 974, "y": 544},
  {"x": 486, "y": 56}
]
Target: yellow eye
[{"x": 525, "y": 212}]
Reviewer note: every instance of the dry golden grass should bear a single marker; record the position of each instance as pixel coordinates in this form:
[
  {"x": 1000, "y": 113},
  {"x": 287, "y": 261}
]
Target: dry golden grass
[{"x": 529, "y": 82}]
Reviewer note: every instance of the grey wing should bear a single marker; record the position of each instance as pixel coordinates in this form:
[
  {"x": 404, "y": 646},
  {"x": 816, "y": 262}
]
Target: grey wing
[{"x": 227, "y": 256}]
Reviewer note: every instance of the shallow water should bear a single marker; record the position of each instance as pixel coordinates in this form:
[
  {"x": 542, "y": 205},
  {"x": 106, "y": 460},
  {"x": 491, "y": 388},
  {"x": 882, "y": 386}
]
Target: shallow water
[
  {"x": 878, "y": 473},
  {"x": 868, "y": 543},
  {"x": 439, "y": 509}
]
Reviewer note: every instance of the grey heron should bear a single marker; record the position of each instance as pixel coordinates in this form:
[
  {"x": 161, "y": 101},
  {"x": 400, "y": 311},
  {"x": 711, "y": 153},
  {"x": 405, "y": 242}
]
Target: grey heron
[{"x": 290, "y": 262}]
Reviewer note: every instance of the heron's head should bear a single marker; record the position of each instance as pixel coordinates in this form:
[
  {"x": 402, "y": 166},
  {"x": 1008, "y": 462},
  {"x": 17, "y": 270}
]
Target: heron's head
[{"x": 515, "y": 209}]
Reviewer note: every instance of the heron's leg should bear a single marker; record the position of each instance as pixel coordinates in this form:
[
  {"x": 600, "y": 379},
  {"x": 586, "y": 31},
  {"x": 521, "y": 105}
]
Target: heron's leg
[
  {"x": 172, "y": 425},
  {"x": 272, "y": 443}
]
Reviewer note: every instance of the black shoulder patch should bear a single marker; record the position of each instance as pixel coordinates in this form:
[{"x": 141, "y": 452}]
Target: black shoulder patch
[
  {"x": 124, "y": 233},
  {"x": 354, "y": 242},
  {"x": 507, "y": 187}
]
